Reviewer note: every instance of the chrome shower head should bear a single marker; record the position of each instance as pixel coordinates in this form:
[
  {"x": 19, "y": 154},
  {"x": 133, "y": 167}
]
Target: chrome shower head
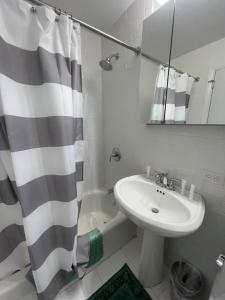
[{"x": 106, "y": 64}]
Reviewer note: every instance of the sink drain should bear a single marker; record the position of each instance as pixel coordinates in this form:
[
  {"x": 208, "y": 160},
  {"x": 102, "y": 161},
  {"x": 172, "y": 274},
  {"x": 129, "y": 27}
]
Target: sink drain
[{"x": 155, "y": 210}]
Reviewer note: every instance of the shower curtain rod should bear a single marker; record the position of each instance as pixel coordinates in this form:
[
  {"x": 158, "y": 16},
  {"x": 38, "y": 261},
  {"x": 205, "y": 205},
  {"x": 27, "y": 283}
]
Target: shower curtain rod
[
  {"x": 136, "y": 50},
  {"x": 167, "y": 65}
]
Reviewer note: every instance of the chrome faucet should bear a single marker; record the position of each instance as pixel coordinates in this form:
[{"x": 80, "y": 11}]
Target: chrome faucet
[{"x": 162, "y": 179}]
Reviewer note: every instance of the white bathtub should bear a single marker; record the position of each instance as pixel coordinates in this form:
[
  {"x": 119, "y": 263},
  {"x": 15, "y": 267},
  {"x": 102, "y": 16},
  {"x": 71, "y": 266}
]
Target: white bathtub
[{"x": 99, "y": 210}]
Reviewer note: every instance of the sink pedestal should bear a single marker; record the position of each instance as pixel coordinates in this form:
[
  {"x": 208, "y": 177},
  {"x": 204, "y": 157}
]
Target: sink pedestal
[{"x": 151, "y": 266}]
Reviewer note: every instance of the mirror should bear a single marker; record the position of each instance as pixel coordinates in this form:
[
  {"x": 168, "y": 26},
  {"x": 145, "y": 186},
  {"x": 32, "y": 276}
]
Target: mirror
[
  {"x": 198, "y": 48},
  {"x": 156, "y": 46},
  {"x": 195, "y": 83}
]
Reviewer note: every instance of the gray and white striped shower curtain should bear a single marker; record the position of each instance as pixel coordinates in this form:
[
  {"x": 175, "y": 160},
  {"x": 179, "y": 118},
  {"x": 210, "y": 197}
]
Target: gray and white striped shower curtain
[
  {"x": 41, "y": 143},
  {"x": 171, "y": 105}
]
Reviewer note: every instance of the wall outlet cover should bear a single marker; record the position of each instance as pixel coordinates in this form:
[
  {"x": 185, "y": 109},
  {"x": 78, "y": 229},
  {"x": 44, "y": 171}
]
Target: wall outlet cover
[{"x": 214, "y": 177}]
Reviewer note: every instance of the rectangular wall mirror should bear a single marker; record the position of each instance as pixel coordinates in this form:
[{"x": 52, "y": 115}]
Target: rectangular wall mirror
[
  {"x": 199, "y": 49},
  {"x": 156, "y": 47},
  {"x": 195, "y": 83}
]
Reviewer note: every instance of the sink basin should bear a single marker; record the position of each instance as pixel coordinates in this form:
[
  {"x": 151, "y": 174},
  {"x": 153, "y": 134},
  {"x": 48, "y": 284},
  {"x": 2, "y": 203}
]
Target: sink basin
[
  {"x": 161, "y": 213},
  {"x": 164, "y": 212}
]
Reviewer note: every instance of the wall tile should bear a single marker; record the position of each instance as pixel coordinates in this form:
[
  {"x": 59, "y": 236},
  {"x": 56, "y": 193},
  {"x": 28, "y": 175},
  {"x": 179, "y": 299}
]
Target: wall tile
[{"x": 93, "y": 103}]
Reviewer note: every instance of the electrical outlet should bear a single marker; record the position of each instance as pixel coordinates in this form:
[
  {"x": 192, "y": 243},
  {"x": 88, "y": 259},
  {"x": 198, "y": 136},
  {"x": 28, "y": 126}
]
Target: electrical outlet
[{"x": 214, "y": 178}]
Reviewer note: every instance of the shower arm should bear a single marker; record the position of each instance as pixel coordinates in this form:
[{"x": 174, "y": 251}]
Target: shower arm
[{"x": 116, "y": 56}]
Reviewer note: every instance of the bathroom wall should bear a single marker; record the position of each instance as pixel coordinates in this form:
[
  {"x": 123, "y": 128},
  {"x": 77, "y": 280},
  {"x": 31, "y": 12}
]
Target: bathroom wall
[
  {"x": 92, "y": 93},
  {"x": 200, "y": 62},
  {"x": 148, "y": 76},
  {"x": 189, "y": 151}
]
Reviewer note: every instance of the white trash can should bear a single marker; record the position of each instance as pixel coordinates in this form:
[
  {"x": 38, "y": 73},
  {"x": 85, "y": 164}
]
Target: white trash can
[{"x": 186, "y": 282}]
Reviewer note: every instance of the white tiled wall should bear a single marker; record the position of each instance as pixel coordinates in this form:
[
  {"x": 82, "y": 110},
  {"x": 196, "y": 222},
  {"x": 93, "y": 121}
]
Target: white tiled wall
[
  {"x": 201, "y": 61},
  {"x": 92, "y": 93},
  {"x": 188, "y": 151}
]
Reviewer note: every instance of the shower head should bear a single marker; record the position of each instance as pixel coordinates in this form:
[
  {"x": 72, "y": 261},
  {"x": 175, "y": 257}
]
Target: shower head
[{"x": 106, "y": 63}]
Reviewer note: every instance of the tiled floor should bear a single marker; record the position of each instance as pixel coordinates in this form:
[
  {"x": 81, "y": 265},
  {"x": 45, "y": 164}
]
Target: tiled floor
[{"x": 129, "y": 254}]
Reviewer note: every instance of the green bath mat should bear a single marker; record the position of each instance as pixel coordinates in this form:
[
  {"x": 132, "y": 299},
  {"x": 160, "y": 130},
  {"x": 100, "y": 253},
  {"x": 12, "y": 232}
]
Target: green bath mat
[{"x": 121, "y": 286}]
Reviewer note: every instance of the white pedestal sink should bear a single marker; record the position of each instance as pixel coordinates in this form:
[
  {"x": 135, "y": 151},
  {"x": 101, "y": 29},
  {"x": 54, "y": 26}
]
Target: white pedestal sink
[{"x": 161, "y": 213}]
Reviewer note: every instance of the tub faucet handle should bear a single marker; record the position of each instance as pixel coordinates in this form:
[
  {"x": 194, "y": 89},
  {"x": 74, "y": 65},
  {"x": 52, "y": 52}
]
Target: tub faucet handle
[
  {"x": 115, "y": 155},
  {"x": 220, "y": 260}
]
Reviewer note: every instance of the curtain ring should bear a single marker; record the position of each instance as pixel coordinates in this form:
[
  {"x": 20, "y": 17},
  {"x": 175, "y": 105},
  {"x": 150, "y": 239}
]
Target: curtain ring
[
  {"x": 33, "y": 9},
  {"x": 57, "y": 11}
]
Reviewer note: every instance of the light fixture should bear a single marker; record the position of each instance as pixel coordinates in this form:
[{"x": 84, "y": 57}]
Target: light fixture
[{"x": 162, "y": 2}]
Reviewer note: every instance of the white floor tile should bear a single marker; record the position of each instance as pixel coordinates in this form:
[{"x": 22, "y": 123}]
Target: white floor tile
[
  {"x": 105, "y": 270},
  {"x": 161, "y": 288},
  {"x": 132, "y": 249},
  {"x": 165, "y": 295},
  {"x": 114, "y": 264},
  {"x": 151, "y": 293},
  {"x": 30, "y": 297},
  {"x": 90, "y": 283},
  {"x": 135, "y": 265},
  {"x": 74, "y": 291},
  {"x": 118, "y": 260}
]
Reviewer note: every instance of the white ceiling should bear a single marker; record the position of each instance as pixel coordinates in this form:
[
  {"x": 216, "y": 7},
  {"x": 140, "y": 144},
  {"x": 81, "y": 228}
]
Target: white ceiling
[
  {"x": 99, "y": 13},
  {"x": 197, "y": 23},
  {"x": 157, "y": 29}
]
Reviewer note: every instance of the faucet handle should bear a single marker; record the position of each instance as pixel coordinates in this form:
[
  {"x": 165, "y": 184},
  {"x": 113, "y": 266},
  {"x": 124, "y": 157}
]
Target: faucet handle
[
  {"x": 160, "y": 173},
  {"x": 115, "y": 155},
  {"x": 174, "y": 183},
  {"x": 177, "y": 181},
  {"x": 220, "y": 260}
]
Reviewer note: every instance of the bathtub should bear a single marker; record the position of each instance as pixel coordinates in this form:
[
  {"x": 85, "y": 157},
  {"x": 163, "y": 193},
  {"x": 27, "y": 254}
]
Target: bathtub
[{"x": 99, "y": 210}]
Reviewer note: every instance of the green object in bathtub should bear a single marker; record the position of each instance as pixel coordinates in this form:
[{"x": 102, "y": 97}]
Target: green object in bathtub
[{"x": 96, "y": 246}]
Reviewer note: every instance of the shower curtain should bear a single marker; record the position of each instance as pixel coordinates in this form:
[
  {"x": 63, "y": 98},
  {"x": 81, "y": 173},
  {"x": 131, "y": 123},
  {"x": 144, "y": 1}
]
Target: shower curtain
[
  {"x": 41, "y": 144},
  {"x": 158, "y": 106},
  {"x": 171, "y": 105}
]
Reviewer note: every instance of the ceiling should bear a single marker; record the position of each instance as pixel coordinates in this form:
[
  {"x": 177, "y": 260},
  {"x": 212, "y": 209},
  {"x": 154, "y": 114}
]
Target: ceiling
[
  {"x": 197, "y": 23},
  {"x": 157, "y": 29},
  {"x": 99, "y": 13}
]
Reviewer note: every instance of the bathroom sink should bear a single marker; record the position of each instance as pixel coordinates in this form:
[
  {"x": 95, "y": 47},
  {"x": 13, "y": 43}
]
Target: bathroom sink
[
  {"x": 164, "y": 212},
  {"x": 161, "y": 213}
]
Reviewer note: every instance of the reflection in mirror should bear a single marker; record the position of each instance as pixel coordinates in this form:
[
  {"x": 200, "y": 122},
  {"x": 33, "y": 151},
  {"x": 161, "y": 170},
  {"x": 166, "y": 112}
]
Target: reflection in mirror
[
  {"x": 156, "y": 46},
  {"x": 198, "y": 48}
]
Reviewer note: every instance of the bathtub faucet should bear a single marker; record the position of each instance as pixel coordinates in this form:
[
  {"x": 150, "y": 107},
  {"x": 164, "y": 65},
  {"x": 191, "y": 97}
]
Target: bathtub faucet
[{"x": 115, "y": 155}]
